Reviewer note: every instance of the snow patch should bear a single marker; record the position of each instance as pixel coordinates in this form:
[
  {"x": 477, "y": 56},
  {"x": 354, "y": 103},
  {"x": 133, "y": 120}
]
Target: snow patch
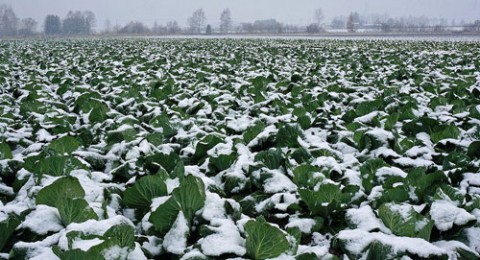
[
  {"x": 365, "y": 219},
  {"x": 445, "y": 215},
  {"x": 175, "y": 241},
  {"x": 356, "y": 241},
  {"x": 225, "y": 240},
  {"x": 43, "y": 219}
]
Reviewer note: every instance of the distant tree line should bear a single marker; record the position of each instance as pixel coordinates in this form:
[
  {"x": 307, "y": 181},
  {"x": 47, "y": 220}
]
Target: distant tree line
[
  {"x": 11, "y": 25},
  {"x": 356, "y": 23},
  {"x": 79, "y": 23},
  {"x": 75, "y": 23},
  {"x": 353, "y": 23}
]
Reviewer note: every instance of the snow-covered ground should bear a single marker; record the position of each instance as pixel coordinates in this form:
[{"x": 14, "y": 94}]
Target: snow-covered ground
[{"x": 272, "y": 148}]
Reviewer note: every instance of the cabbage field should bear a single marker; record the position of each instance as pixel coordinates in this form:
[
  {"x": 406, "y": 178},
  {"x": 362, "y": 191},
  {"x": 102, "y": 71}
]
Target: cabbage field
[{"x": 239, "y": 149}]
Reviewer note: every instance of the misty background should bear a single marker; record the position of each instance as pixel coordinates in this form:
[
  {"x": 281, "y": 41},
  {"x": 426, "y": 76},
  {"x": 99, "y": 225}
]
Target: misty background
[
  {"x": 86, "y": 17},
  {"x": 285, "y": 11}
]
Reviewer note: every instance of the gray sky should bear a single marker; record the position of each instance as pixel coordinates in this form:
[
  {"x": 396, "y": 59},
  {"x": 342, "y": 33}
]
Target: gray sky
[{"x": 287, "y": 11}]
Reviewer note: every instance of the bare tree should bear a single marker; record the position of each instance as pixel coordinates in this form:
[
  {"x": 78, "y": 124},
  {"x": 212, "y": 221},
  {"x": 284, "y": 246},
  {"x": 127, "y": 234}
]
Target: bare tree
[
  {"x": 270, "y": 26},
  {"x": 209, "y": 30},
  {"x": 158, "y": 28},
  {"x": 27, "y": 27},
  {"x": 313, "y": 28},
  {"x": 90, "y": 21},
  {"x": 247, "y": 28},
  {"x": 197, "y": 21},
  {"x": 108, "y": 27},
  {"x": 135, "y": 28},
  {"x": 476, "y": 25},
  {"x": 52, "y": 25},
  {"x": 74, "y": 24},
  {"x": 8, "y": 21},
  {"x": 78, "y": 23},
  {"x": 338, "y": 23},
  {"x": 173, "y": 27},
  {"x": 318, "y": 16},
  {"x": 226, "y": 21},
  {"x": 351, "y": 23},
  {"x": 116, "y": 28},
  {"x": 291, "y": 29}
]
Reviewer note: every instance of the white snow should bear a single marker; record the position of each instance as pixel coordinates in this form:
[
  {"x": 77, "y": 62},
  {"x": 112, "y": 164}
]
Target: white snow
[
  {"x": 40, "y": 249},
  {"x": 214, "y": 207},
  {"x": 225, "y": 240},
  {"x": 366, "y": 118},
  {"x": 33, "y": 148},
  {"x": 193, "y": 254},
  {"x": 320, "y": 240},
  {"x": 473, "y": 236},
  {"x": 22, "y": 201},
  {"x": 469, "y": 182},
  {"x": 239, "y": 124},
  {"x": 386, "y": 172},
  {"x": 409, "y": 162},
  {"x": 304, "y": 224},
  {"x": 280, "y": 201},
  {"x": 153, "y": 245},
  {"x": 188, "y": 102},
  {"x": 365, "y": 219},
  {"x": 358, "y": 240},
  {"x": 375, "y": 193},
  {"x": 283, "y": 200},
  {"x": 44, "y": 136},
  {"x": 425, "y": 138},
  {"x": 452, "y": 246},
  {"x": 445, "y": 214},
  {"x": 381, "y": 134},
  {"x": 156, "y": 202},
  {"x": 353, "y": 177},
  {"x": 221, "y": 149},
  {"x": 279, "y": 182},
  {"x": 244, "y": 160},
  {"x": 319, "y": 251},
  {"x": 420, "y": 151},
  {"x": 384, "y": 152},
  {"x": 44, "y": 253},
  {"x": 97, "y": 227},
  {"x": 283, "y": 256},
  {"x": 6, "y": 190},
  {"x": 93, "y": 191},
  {"x": 85, "y": 245},
  {"x": 137, "y": 253},
  {"x": 327, "y": 161},
  {"x": 123, "y": 128},
  {"x": 115, "y": 252},
  {"x": 132, "y": 154},
  {"x": 172, "y": 184},
  {"x": 267, "y": 132},
  {"x": 403, "y": 209},
  {"x": 175, "y": 241},
  {"x": 145, "y": 147},
  {"x": 43, "y": 219}
]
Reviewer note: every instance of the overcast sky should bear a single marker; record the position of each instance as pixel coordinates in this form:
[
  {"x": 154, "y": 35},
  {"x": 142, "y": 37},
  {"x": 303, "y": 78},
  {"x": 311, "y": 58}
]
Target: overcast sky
[{"x": 287, "y": 11}]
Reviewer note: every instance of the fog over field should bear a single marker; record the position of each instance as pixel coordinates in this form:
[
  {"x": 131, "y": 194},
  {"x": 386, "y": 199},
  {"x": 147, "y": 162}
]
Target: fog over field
[{"x": 286, "y": 11}]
